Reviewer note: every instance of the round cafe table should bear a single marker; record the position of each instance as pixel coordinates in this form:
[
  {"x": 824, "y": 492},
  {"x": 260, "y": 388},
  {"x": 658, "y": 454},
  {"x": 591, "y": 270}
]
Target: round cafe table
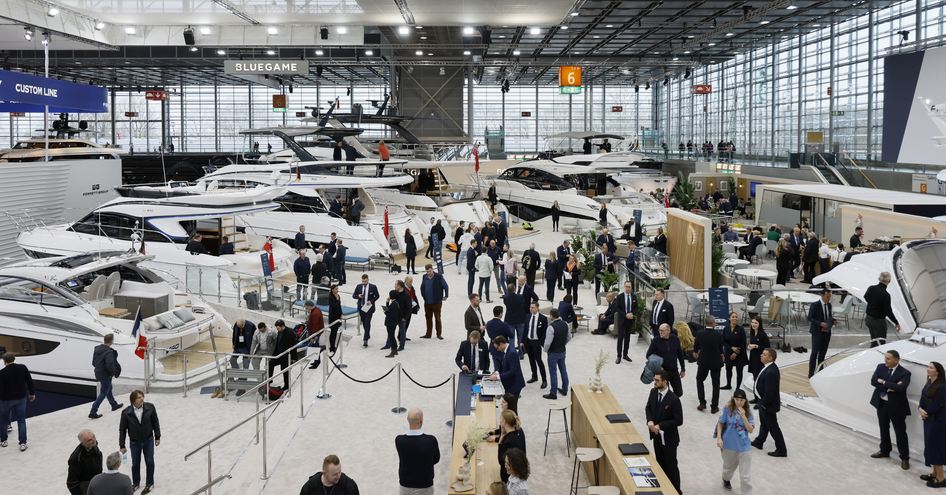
[
  {"x": 797, "y": 296},
  {"x": 756, "y": 274},
  {"x": 732, "y": 262}
]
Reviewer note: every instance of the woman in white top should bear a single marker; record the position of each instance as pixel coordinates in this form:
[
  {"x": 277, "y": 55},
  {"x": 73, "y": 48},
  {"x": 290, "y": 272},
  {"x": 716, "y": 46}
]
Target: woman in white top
[
  {"x": 509, "y": 263},
  {"x": 838, "y": 255},
  {"x": 463, "y": 246},
  {"x": 824, "y": 255},
  {"x": 517, "y": 465},
  {"x": 484, "y": 271}
]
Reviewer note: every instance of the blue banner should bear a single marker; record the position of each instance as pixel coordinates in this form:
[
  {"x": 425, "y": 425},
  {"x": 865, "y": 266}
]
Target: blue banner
[
  {"x": 33, "y": 92},
  {"x": 719, "y": 302}
]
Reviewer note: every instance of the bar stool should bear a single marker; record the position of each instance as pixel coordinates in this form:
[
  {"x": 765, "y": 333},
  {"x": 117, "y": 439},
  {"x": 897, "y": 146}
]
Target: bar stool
[
  {"x": 558, "y": 406},
  {"x": 604, "y": 490},
  {"x": 583, "y": 454}
]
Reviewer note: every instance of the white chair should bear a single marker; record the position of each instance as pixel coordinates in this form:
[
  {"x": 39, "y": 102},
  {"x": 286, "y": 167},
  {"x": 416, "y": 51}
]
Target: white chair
[
  {"x": 844, "y": 311},
  {"x": 112, "y": 284},
  {"x": 771, "y": 245},
  {"x": 760, "y": 253},
  {"x": 729, "y": 248},
  {"x": 94, "y": 290}
]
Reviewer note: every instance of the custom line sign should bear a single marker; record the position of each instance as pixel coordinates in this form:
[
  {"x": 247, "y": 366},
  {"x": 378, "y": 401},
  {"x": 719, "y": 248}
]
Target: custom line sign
[
  {"x": 266, "y": 67},
  {"x": 35, "y": 91}
]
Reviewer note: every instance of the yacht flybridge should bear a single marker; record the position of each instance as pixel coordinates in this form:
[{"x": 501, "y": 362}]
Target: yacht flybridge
[
  {"x": 34, "y": 150},
  {"x": 163, "y": 226},
  {"x": 840, "y": 392},
  {"x": 560, "y": 149},
  {"x": 54, "y": 311}
]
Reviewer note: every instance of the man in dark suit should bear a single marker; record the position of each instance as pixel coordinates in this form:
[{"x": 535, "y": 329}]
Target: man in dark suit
[
  {"x": 606, "y": 319},
  {"x": 821, "y": 322},
  {"x": 285, "y": 340},
  {"x": 536, "y": 326},
  {"x": 810, "y": 258},
  {"x": 524, "y": 289},
  {"x": 602, "y": 263},
  {"x": 417, "y": 453},
  {"x": 139, "y": 422},
  {"x": 473, "y": 317},
  {"x": 473, "y": 354},
  {"x": 890, "y": 382},
  {"x": 471, "y": 255},
  {"x": 769, "y": 404},
  {"x": 708, "y": 346},
  {"x": 562, "y": 253},
  {"x": 667, "y": 346},
  {"x": 530, "y": 263},
  {"x": 625, "y": 305},
  {"x": 515, "y": 314},
  {"x": 797, "y": 241},
  {"x": 298, "y": 242},
  {"x": 496, "y": 327},
  {"x": 509, "y": 370},
  {"x": 338, "y": 262},
  {"x": 366, "y": 294},
  {"x": 755, "y": 240},
  {"x": 335, "y": 206},
  {"x": 661, "y": 312},
  {"x": 664, "y": 417},
  {"x": 660, "y": 241},
  {"x": 606, "y": 239}
]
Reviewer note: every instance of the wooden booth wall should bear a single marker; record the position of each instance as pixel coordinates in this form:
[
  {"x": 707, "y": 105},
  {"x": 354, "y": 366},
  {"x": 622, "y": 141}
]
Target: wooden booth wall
[{"x": 689, "y": 245}]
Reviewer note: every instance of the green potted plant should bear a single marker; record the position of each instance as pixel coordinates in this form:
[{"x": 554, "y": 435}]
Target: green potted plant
[
  {"x": 717, "y": 260},
  {"x": 683, "y": 192}
]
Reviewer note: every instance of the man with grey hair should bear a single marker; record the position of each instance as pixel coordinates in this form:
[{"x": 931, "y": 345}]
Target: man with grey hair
[
  {"x": 878, "y": 309},
  {"x": 530, "y": 264},
  {"x": 85, "y": 463},
  {"x": 418, "y": 453},
  {"x": 111, "y": 482}
]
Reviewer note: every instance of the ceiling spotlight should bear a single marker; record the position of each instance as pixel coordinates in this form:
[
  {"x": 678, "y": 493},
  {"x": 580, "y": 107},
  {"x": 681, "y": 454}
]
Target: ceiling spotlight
[
  {"x": 423, "y": 37},
  {"x": 791, "y": 7},
  {"x": 430, "y": 54},
  {"x": 99, "y": 26},
  {"x": 404, "y": 30},
  {"x": 534, "y": 31},
  {"x": 28, "y": 34},
  {"x": 205, "y": 30},
  {"x": 690, "y": 36},
  {"x": 597, "y": 36},
  {"x": 53, "y": 11},
  {"x": 341, "y": 30},
  {"x": 730, "y": 34},
  {"x": 194, "y": 48},
  {"x": 816, "y": 25},
  {"x": 130, "y": 30},
  {"x": 574, "y": 14},
  {"x": 419, "y": 27},
  {"x": 466, "y": 53},
  {"x": 319, "y": 53},
  {"x": 676, "y": 58},
  {"x": 516, "y": 53},
  {"x": 609, "y": 26},
  {"x": 270, "y": 52},
  {"x": 503, "y": 35},
  {"x": 763, "y": 22},
  {"x": 563, "y": 28},
  {"x": 221, "y": 52},
  {"x": 687, "y": 52},
  {"x": 711, "y": 44},
  {"x": 468, "y": 31},
  {"x": 369, "y": 53},
  {"x": 272, "y": 30},
  {"x": 419, "y": 53},
  {"x": 625, "y": 71}
]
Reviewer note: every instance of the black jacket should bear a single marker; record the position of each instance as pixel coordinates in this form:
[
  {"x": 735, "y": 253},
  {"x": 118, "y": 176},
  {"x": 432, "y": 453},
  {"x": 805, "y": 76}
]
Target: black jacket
[
  {"x": 471, "y": 255},
  {"x": 894, "y": 386},
  {"x": 16, "y": 382},
  {"x": 410, "y": 247},
  {"x": 417, "y": 455},
  {"x": 621, "y": 310},
  {"x": 551, "y": 270},
  {"x": 767, "y": 386},
  {"x": 660, "y": 243},
  {"x": 285, "y": 340},
  {"x": 392, "y": 313},
  {"x": 334, "y": 309},
  {"x": 878, "y": 302},
  {"x": 735, "y": 337},
  {"x": 667, "y": 414},
  {"x": 405, "y": 304},
  {"x": 541, "y": 326},
  {"x": 465, "y": 355},
  {"x": 83, "y": 465},
  {"x": 709, "y": 345},
  {"x": 665, "y": 316},
  {"x": 345, "y": 486},
  {"x": 534, "y": 260},
  {"x": 139, "y": 431},
  {"x": 669, "y": 350},
  {"x": 816, "y": 317},
  {"x": 248, "y": 330},
  {"x": 811, "y": 250},
  {"x": 515, "y": 308},
  {"x": 438, "y": 230},
  {"x": 513, "y": 440},
  {"x": 105, "y": 362}
]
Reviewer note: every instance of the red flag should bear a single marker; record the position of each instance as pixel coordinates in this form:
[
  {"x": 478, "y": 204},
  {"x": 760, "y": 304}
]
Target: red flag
[
  {"x": 666, "y": 200},
  {"x": 476, "y": 158},
  {"x": 386, "y": 224},
  {"x": 298, "y": 172},
  {"x": 142, "y": 341},
  {"x": 268, "y": 247}
]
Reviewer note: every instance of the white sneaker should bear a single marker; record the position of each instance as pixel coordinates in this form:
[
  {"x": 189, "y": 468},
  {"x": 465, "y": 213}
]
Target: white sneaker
[
  {"x": 23, "y": 447},
  {"x": 4, "y": 444}
]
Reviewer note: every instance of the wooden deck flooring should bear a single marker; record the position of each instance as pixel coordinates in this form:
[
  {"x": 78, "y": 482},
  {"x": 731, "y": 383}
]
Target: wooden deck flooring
[
  {"x": 795, "y": 376},
  {"x": 174, "y": 364}
]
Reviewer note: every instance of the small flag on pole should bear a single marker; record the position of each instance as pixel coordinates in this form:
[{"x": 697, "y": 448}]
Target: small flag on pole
[
  {"x": 142, "y": 341},
  {"x": 386, "y": 222},
  {"x": 476, "y": 158},
  {"x": 666, "y": 200}
]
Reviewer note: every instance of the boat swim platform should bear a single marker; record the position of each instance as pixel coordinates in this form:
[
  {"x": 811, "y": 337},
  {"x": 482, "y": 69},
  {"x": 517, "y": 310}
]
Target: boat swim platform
[
  {"x": 795, "y": 376},
  {"x": 174, "y": 364}
]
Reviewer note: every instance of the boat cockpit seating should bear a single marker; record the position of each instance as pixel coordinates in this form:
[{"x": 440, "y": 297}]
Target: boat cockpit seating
[
  {"x": 95, "y": 289},
  {"x": 112, "y": 283}
]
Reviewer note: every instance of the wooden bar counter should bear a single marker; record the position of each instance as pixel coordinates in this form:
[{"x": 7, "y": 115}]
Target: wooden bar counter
[
  {"x": 590, "y": 428},
  {"x": 485, "y": 465}
]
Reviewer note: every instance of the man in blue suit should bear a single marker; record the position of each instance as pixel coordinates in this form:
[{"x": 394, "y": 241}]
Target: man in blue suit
[
  {"x": 509, "y": 370},
  {"x": 770, "y": 403},
  {"x": 366, "y": 294},
  {"x": 625, "y": 305},
  {"x": 890, "y": 382},
  {"x": 498, "y": 328},
  {"x": 562, "y": 253},
  {"x": 821, "y": 322},
  {"x": 603, "y": 262}
]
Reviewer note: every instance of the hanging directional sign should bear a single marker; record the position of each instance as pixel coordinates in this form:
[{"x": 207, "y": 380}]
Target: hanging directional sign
[
  {"x": 156, "y": 95},
  {"x": 569, "y": 90},
  {"x": 569, "y": 75},
  {"x": 702, "y": 89},
  {"x": 32, "y": 93}
]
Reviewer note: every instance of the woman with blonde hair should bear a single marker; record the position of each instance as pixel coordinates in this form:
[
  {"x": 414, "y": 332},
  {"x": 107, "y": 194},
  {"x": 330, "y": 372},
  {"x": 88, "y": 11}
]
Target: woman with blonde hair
[
  {"x": 572, "y": 278},
  {"x": 732, "y": 437},
  {"x": 511, "y": 437},
  {"x": 685, "y": 335}
]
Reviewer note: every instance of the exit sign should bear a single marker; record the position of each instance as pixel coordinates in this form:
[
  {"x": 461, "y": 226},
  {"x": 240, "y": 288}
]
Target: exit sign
[
  {"x": 837, "y": 113},
  {"x": 617, "y": 108},
  {"x": 526, "y": 114},
  {"x": 156, "y": 95},
  {"x": 131, "y": 114}
]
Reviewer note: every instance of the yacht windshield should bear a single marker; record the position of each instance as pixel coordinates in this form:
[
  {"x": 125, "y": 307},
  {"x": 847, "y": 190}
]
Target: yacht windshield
[
  {"x": 28, "y": 291},
  {"x": 921, "y": 272},
  {"x": 536, "y": 179}
]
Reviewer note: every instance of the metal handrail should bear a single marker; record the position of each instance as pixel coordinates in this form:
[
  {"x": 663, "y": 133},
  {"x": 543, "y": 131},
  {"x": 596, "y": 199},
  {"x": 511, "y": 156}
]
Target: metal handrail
[
  {"x": 233, "y": 427},
  {"x": 209, "y": 485},
  {"x": 270, "y": 379}
]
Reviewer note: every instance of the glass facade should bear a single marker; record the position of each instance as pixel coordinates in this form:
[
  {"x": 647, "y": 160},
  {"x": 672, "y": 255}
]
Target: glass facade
[{"x": 765, "y": 99}]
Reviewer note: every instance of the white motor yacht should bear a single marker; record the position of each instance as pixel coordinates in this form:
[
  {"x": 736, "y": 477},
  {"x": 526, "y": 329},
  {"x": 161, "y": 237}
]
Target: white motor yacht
[
  {"x": 841, "y": 391},
  {"x": 561, "y": 150},
  {"x": 163, "y": 226},
  {"x": 34, "y": 150},
  {"x": 54, "y": 311}
]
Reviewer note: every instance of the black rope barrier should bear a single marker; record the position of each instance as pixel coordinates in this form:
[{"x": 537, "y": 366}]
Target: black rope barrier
[
  {"x": 382, "y": 377},
  {"x": 421, "y": 385}
]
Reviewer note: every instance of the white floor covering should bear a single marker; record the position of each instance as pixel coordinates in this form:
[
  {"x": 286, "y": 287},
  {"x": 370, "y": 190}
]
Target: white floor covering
[{"x": 357, "y": 424}]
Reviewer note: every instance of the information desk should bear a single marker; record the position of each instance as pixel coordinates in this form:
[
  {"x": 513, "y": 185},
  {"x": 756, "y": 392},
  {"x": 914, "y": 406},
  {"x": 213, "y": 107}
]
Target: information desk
[
  {"x": 485, "y": 465},
  {"x": 590, "y": 428}
]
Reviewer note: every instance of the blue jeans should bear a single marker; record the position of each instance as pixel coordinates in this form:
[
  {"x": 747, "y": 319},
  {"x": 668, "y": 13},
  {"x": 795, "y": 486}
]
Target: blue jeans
[
  {"x": 401, "y": 334},
  {"x": 105, "y": 392},
  {"x": 520, "y": 333},
  {"x": 18, "y": 409},
  {"x": 557, "y": 359},
  {"x": 235, "y": 359},
  {"x": 137, "y": 448}
]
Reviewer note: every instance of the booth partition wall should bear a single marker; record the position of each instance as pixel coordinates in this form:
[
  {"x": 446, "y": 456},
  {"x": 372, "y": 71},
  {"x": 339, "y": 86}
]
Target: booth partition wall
[{"x": 826, "y": 77}]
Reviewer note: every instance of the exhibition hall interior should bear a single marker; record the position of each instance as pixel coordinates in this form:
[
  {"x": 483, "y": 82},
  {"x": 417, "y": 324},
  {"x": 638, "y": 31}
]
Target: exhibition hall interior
[{"x": 418, "y": 247}]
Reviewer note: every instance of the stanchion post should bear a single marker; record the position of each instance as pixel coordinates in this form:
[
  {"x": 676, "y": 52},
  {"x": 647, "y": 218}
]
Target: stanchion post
[
  {"x": 398, "y": 409},
  {"x": 265, "y": 476},
  {"x": 209, "y": 469},
  {"x": 341, "y": 350},
  {"x": 301, "y": 391},
  {"x": 453, "y": 394},
  {"x": 185, "y": 372},
  {"x": 323, "y": 394}
]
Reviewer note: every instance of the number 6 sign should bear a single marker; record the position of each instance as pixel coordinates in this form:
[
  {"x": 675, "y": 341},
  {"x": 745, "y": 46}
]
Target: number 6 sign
[{"x": 569, "y": 75}]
